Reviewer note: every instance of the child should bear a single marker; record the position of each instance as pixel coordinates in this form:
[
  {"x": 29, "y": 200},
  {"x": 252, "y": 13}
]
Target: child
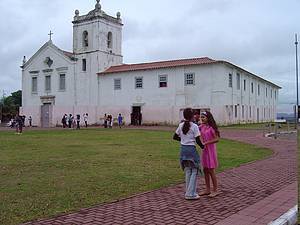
[
  {"x": 188, "y": 134},
  {"x": 85, "y": 119},
  {"x": 120, "y": 120},
  {"x": 78, "y": 121},
  {"x": 30, "y": 121},
  {"x": 209, "y": 137},
  {"x": 105, "y": 120}
]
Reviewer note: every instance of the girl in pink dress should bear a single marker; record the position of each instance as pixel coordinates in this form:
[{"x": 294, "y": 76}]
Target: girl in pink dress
[{"x": 209, "y": 137}]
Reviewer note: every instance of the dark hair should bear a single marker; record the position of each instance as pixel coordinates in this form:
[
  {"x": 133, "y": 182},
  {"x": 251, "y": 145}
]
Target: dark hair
[
  {"x": 188, "y": 115},
  {"x": 211, "y": 122}
]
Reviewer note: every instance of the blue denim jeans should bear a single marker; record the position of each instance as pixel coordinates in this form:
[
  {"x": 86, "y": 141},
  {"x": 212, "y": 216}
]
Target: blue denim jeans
[{"x": 190, "y": 181}]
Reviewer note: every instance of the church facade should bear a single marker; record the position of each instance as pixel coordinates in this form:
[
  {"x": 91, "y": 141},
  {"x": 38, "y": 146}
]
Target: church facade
[{"x": 93, "y": 79}]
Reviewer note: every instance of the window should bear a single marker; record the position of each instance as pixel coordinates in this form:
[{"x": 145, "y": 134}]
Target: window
[
  {"x": 34, "y": 85},
  {"x": 250, "y": 111},
  {"x": 230, "y": 80},
  {"x": 83, "y": 64},
  {"x": 244, "y": 85},
  {"x": 235, "y": 111},
  {"x": 275, "y": 94},
  {"x": 62, "y": 82},
  {"x": 139, "y": 82},
  {"x": 189, "y": 79},
  {"x": 85, "y": 39},
  {"x": 266, "y": 92},
  {"x": 238, "y": 81},
  {"x": 252, "y": 88},
  {"x": 48, "y": 83},
  {"x": 163, "y": 81},
  {"x": 258, "y": 90},
  {"x": 117, "y": 84},
  {"x": 271, "y": 93},
  {"x": 243, "y": 111},
  {"x": 109, "y": 40}
]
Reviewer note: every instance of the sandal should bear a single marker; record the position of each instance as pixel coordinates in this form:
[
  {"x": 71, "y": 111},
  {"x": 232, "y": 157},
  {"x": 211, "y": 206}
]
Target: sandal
[
  {"x": 204, "y": 193},
  {"x": 213, "y": 194}
]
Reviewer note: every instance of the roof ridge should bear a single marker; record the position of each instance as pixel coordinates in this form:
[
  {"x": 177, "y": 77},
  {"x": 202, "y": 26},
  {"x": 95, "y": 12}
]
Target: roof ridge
[
  {"x": 172, "y": 60},
  {"x": 158, "y": 64}
]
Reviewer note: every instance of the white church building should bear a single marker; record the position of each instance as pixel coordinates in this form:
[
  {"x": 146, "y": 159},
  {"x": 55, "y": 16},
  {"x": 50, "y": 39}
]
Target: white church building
[{"x": 93, "y": 79}]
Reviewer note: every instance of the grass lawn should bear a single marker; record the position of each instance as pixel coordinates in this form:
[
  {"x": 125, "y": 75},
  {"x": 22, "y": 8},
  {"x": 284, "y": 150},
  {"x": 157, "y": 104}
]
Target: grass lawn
[{"x": 45, "y": 173}]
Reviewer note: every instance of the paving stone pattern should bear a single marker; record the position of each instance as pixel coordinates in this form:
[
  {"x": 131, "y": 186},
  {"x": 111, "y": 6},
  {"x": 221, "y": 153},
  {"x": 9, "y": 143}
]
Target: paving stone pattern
[{"x": 241, "y": 187}]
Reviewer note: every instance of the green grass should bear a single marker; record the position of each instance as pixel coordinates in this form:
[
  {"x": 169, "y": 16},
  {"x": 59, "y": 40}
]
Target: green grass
[{"x": 45, "y": 173}]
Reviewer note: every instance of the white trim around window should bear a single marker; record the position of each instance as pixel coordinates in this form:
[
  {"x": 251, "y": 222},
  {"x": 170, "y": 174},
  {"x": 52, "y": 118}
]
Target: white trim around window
[
  {"x": 138, "y": 84},
  {"x": 163, "y": 81},
  {"x": 62, "y": 82},
  {"x": 34, "y": 84},
  {"x": 47, "y": 83},
  {"x": 189, "y": 79},
  {"x": 117, "y": 84}
]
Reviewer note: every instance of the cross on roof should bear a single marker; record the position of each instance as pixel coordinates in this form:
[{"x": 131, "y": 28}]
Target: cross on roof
[{"x": 50, "y": 34}]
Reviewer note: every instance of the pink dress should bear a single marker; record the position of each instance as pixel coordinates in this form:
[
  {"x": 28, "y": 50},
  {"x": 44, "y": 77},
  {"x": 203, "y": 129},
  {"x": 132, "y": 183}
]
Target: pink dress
[{"x": 209, "y": 153}]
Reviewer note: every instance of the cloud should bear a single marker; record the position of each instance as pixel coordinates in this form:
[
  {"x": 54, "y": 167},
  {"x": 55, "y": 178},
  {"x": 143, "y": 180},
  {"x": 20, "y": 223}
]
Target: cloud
[{"x": 256, "y": 35}]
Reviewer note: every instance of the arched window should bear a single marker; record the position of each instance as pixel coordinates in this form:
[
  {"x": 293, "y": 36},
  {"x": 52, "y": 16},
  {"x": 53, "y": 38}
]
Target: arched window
[
  {"x": 85, "y": 38},
  {"x": 109, "y": 40}
]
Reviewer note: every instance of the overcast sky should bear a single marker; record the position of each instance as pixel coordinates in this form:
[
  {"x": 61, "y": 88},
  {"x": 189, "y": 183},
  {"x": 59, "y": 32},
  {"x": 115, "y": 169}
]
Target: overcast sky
[{"x": 257, "y": 35}]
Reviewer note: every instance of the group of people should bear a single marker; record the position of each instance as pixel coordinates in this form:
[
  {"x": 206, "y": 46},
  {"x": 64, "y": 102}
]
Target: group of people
[
  {"x": 18, "y": 122},
  {"x": 200, "y": 129},
  {"x": 69, "y": 121},
  {"x": 108, "y": 121}
]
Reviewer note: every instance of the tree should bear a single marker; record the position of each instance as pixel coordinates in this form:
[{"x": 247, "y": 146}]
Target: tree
[
  {"x": 10, "y": 105},
  {"x": 17, "y": 98}
]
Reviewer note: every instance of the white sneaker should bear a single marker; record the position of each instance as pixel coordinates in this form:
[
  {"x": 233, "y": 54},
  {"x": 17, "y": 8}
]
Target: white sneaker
[{"x": 192, "y": 197}]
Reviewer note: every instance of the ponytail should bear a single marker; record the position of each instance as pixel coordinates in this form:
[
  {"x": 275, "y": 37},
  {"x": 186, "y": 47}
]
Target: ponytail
[
  {"x": 188, "y": 115},
  {"x": 186, "y": 127}
]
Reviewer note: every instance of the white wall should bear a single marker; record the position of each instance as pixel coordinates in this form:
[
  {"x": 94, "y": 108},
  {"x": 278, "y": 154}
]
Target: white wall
[{"x": 211, "y": 90}]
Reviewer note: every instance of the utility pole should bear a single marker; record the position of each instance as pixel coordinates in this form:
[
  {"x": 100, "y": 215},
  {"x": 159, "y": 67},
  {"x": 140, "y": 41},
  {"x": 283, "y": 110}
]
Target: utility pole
[
  {"x": 2, "y": 106},
  {"x": 296, "y": 108}
]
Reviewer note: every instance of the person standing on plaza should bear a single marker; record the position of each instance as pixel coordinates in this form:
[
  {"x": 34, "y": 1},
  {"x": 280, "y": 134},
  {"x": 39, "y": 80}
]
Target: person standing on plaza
[
  {"x": 120, "y": 120},
  {"x": 110, "y": 121},
  {"x": 70, "y": 120},
  {"x": 64, "y": 120},
  {"x": 188, "y": 134},
  {"x": 78, "y": 121},
  {"x": 105, "y": 120},
  {"x": 196, "y": 118},
  {"x": 85, "y": 119},
  {"x": 30, "y": 121},
  {"x": 19, "y": 124},
  {"x": 210, "y": 136}
]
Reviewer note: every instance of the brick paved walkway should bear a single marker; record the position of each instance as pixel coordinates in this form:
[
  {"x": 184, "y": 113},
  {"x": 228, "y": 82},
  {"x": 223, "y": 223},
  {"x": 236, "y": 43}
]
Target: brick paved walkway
[{"x": 246, "y": 191}]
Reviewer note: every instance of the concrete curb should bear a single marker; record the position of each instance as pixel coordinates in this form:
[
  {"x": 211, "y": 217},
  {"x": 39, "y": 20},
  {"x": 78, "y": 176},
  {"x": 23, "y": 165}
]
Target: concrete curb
[
  {"x": 289, "y": 218},
  {"x": 279, "y": 133}
]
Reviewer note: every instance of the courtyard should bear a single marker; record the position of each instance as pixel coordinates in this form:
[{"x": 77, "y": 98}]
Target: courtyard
[{"x": 45, "y": 173}]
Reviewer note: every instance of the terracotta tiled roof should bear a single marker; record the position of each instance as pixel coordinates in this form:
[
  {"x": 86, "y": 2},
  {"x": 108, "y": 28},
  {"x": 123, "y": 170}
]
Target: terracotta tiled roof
[
  {"x": 158, "y": 65},
  {"x": 173, "y": 63},
  {"x": 68, "y": 54}
]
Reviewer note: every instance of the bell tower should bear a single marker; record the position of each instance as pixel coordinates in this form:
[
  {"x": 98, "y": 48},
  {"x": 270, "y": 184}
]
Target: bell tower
[{"x": 97, "y": 38}]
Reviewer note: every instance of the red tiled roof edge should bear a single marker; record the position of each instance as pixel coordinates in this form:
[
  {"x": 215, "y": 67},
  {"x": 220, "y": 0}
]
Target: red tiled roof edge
[
  {"x": 68, "y": 54},
  {"x": 172, "y": 63},
  {"x": 157, "y": 65}
]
